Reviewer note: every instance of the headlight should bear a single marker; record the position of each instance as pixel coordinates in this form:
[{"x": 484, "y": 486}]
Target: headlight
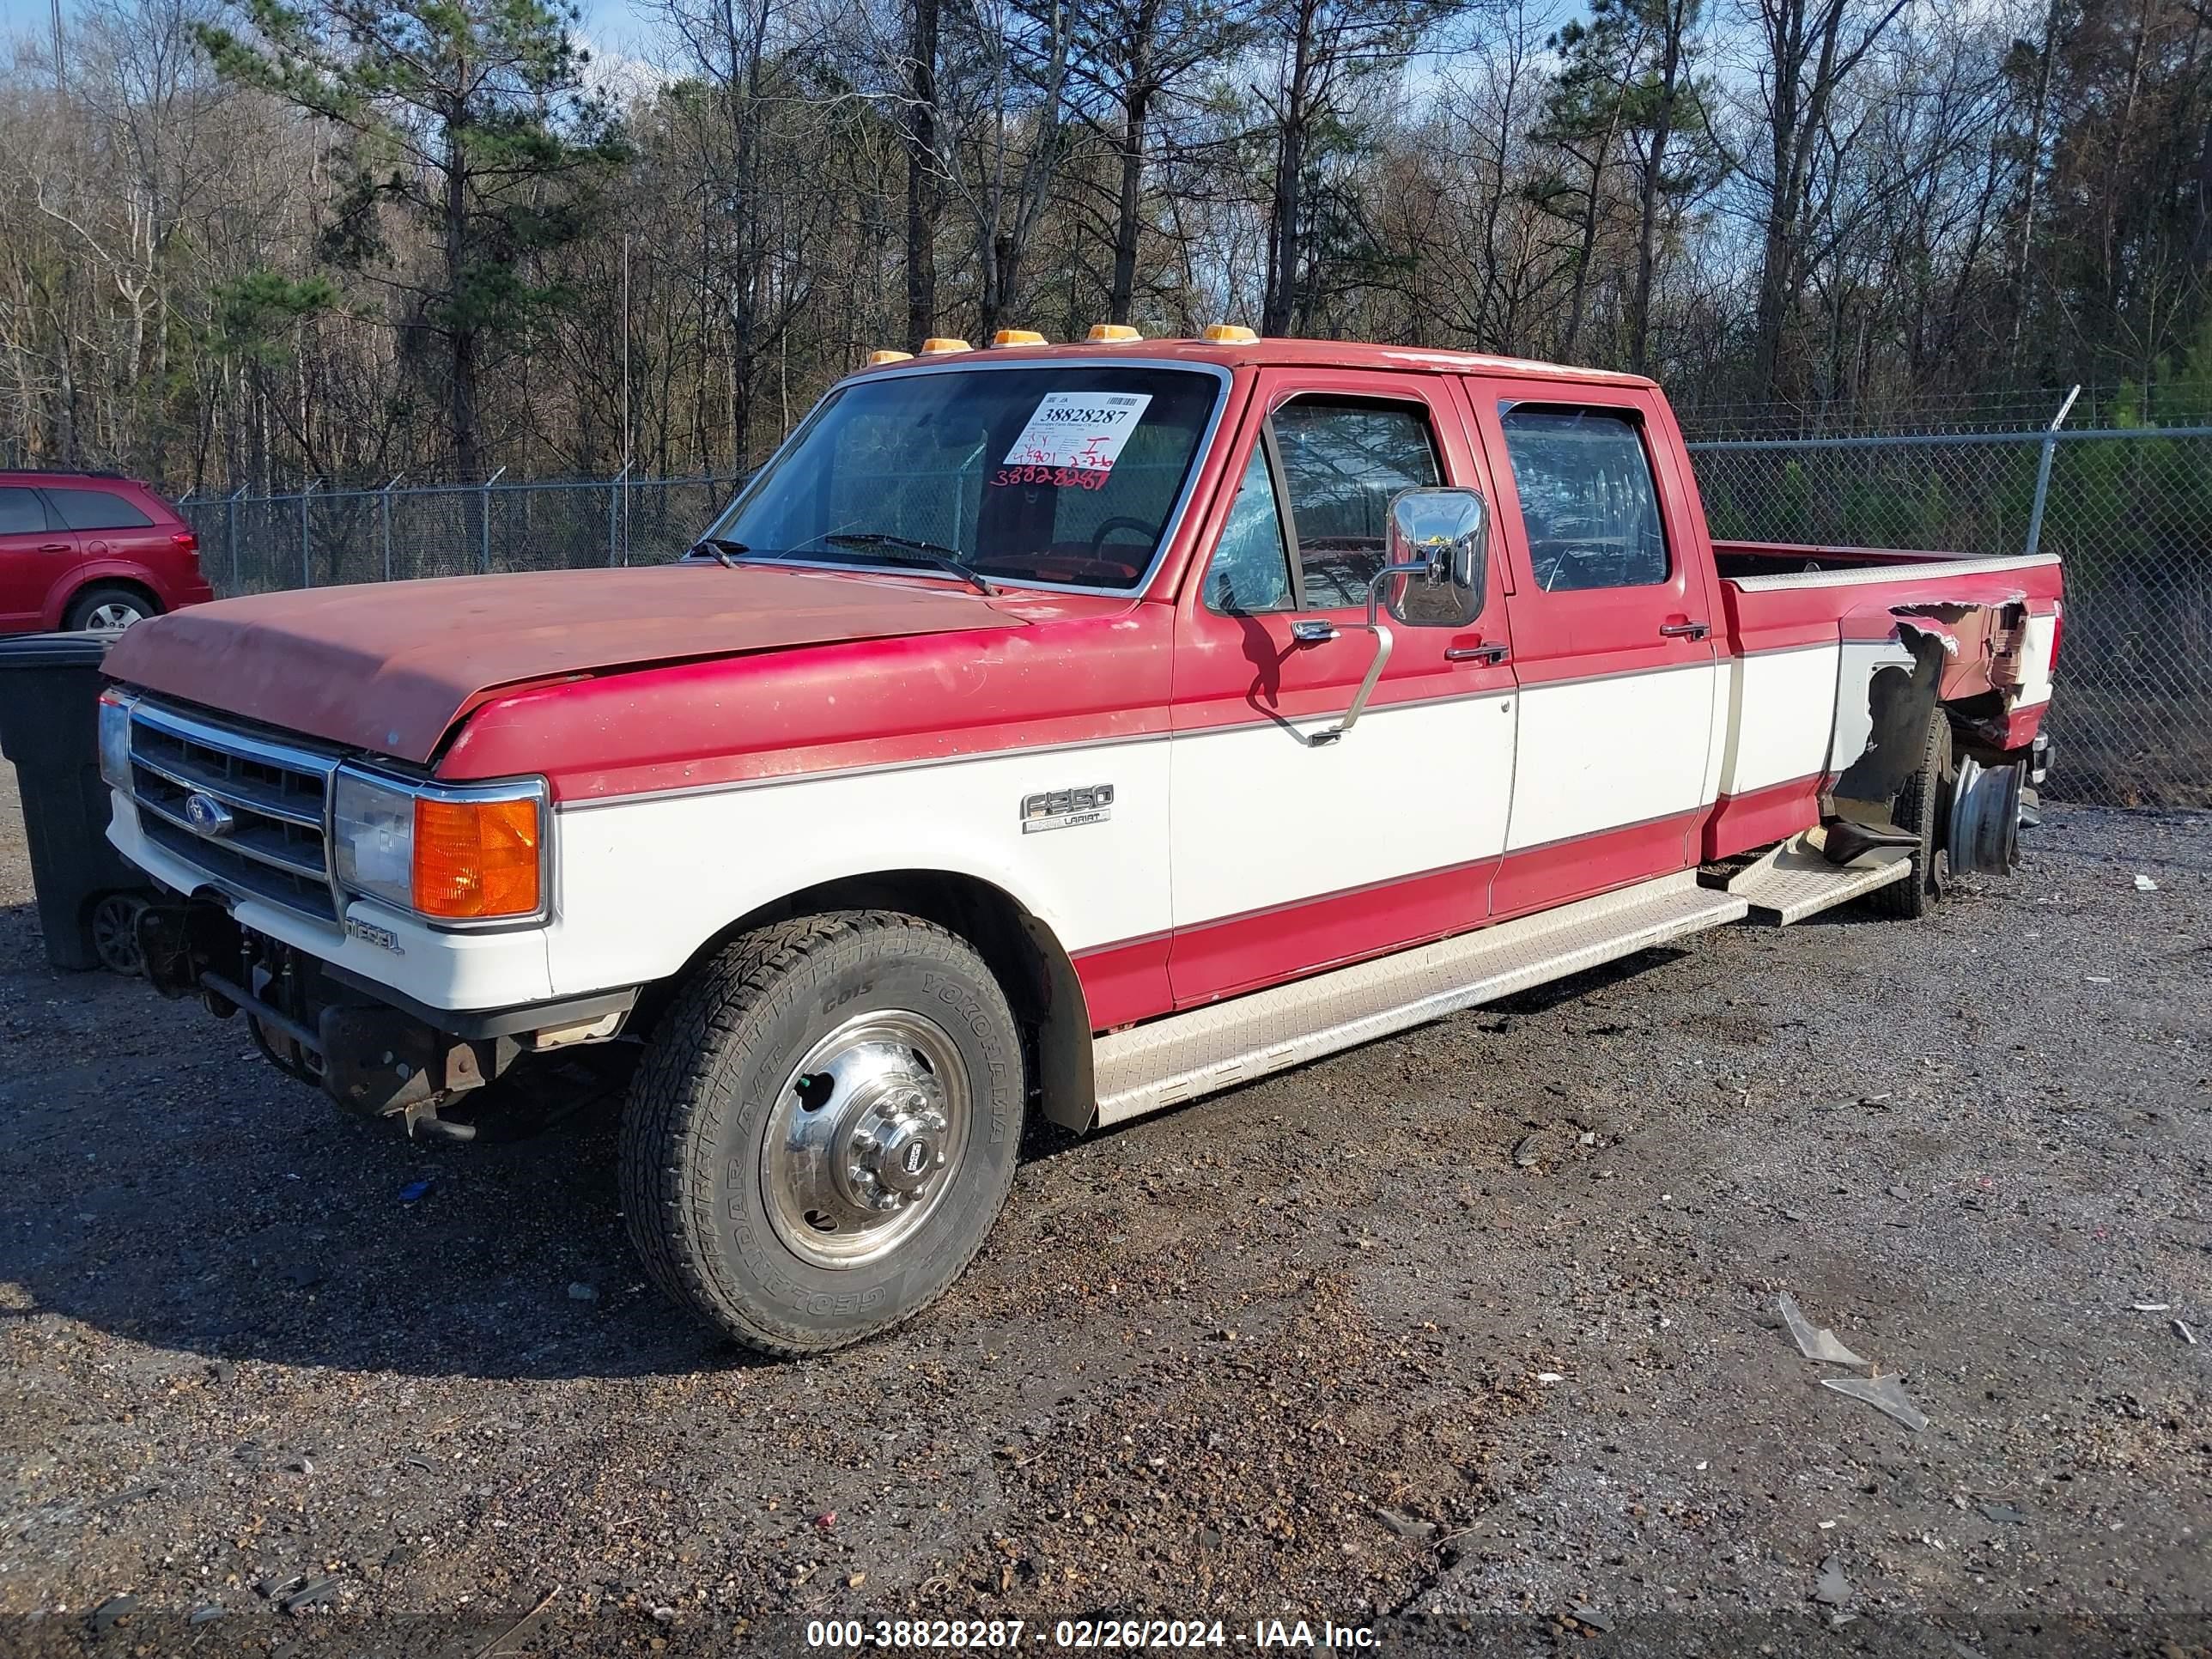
[
  {"x": 374, "y": 825},
  {"x": 115, "y": 740},
  {"x": 448, "y": 854}
]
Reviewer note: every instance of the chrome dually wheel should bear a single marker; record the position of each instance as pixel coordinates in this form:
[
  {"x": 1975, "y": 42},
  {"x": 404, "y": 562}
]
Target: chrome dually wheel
[
  {"x": 822, "y": 1128},
  {"x": 866, "y": 1139}
]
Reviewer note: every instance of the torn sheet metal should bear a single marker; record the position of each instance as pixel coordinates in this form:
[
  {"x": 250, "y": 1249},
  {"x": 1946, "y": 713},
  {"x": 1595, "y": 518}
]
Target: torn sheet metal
[
  {"x": 1898, "y": 663},
  {"x": 1983, "y": 643},
  {"x": 1888, "y": 712}
]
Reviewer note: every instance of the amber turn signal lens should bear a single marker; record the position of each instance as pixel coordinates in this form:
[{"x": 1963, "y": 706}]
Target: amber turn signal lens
[{"x": 476, "y": 860}]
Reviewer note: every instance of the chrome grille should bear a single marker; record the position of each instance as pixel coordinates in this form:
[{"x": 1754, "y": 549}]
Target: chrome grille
[{"x": 274, "y": 797}]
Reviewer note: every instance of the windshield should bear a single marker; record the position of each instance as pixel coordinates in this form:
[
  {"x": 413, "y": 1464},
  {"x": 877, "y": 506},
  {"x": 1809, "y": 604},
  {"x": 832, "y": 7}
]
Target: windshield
[{"x": 1057, "y": 475}]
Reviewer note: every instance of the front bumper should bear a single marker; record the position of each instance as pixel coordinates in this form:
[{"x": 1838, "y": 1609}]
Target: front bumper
[
  {"x": 372, "y": 1054},
  {"x": 390, "y": 1017}
]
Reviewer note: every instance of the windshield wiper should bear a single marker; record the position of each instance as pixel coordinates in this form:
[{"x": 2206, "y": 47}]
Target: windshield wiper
[
  {"x": 719, "y": 548},
  {"x": 905, "y": 549}
]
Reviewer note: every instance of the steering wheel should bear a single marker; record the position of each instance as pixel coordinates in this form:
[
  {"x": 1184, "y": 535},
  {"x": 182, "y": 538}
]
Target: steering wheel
[{"x": 1148, "y": 531}]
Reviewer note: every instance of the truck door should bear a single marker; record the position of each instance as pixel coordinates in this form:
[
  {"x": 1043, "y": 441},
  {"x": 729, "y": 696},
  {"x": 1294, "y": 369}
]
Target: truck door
[
  {"x": 1613, "y": 634},
  {"x": 1293, "y": 852}
]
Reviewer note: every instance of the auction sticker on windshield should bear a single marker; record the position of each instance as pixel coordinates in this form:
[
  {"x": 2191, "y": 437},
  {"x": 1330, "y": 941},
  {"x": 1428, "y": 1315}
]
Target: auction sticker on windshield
[{"x": 1084, "y": 430}]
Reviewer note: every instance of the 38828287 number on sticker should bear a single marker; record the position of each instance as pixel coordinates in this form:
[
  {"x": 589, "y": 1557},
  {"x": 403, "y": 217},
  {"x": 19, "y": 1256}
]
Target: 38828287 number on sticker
[
  {"x": 1060, "y": 477},
  {"x": 1083, "y": 430}
]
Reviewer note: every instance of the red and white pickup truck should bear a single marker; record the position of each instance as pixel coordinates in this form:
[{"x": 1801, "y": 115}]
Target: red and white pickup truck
[{"x": 1076, "y": 730}]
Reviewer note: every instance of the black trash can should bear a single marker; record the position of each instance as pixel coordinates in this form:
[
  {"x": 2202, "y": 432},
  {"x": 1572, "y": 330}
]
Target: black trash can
[{"x": 50, "y": 728}]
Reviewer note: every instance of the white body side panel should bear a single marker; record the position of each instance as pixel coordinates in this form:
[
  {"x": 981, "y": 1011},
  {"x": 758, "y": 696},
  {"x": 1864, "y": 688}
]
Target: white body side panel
[
  {"x": 2036, "y": 664},
  {"x": 1854, "y": 712},
  {"x": 1262, "y": 818},
  {"x": 1783, "y": 707},
  {"x": 1594, "y": 754},
  {"x": 641, "y": 884}
]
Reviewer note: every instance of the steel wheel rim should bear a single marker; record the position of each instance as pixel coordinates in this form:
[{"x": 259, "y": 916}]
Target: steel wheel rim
[
  {"x": 114, "y": 935},
  {"x": 864, "y": 1138},
  {"x": 115, "y": 613}
]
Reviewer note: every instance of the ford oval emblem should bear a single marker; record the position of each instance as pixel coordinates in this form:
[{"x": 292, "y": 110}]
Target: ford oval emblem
[{"x": 207, "y": 816}]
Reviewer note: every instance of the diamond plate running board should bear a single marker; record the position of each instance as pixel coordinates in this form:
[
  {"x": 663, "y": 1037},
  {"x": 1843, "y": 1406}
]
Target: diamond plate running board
[
  {"x": 1794, "y": 881},
  {"x": 1185, "y": 1055}
]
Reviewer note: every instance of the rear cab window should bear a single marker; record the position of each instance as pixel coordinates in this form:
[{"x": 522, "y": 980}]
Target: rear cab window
[
  {"x": 1055, "y": 475},
  {"x": 1589, "y": 507}
]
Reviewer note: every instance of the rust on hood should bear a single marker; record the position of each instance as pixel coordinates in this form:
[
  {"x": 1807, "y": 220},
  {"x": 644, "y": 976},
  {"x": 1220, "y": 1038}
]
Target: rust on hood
[{"x": 388, "y": 668}]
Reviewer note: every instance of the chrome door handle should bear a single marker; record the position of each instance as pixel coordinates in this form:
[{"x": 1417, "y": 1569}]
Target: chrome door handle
[
  {"x": 1685, "y": 631},
  {"x": 1312, "y": 630},
  {"x": 1493, "y": 654},
  {"x": 53, "y": 547}
]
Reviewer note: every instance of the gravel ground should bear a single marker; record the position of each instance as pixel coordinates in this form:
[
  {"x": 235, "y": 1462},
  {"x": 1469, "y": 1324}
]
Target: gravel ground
[{"x": 1478, "y": 1323}]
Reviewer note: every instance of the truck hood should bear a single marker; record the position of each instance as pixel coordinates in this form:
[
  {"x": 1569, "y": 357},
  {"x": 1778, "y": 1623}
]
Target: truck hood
[{"x": 389, "y": 667}]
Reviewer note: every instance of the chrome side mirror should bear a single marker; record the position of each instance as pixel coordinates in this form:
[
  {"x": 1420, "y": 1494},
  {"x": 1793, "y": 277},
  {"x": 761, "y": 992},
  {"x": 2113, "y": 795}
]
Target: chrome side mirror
[
  {"x": 1435, "y": 573},
  {"x": 1440, "y": 538}
]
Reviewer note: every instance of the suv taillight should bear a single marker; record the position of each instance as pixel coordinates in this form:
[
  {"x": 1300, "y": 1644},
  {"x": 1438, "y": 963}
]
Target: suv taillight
[{"x": 187, "y": 542}]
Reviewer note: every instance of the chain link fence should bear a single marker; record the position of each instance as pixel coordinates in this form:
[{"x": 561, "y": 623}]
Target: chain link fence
[
  {"x": 323, "y": 537},
  {"x": 2130, "y": 511}
]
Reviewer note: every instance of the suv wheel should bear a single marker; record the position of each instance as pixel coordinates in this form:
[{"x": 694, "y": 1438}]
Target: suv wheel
[
  {"x": 109, "y": 606},
  {"x": 823, "y": 1129}
]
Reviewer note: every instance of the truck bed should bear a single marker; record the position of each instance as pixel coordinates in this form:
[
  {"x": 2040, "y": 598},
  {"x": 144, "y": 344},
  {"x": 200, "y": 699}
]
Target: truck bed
[{"x": 1801, "y": 618}]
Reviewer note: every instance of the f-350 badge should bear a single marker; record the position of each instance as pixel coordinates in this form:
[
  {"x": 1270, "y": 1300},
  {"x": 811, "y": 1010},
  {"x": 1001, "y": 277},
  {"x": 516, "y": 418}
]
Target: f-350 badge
[{"x": 1064, "y": 809}]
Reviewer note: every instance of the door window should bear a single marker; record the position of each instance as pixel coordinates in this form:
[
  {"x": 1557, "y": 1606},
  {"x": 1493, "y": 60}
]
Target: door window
[
  {"x": 1343, "y": 461},
  {"x": 96, "y": 509},
  {"x": 21, "y": 514},
  {"x": 1588, "y": 502},
  {"x": 1251, "y": 568}
]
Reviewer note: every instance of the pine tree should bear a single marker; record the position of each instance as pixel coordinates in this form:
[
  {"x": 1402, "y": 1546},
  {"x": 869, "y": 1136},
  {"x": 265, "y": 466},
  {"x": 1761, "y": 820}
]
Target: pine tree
[{"x": 470, "y": 117}]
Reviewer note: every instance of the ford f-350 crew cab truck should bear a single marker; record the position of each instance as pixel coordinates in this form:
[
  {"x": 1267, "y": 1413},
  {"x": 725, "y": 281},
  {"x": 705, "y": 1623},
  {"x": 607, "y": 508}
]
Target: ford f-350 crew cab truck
[{"x": 1069, "y": 730}]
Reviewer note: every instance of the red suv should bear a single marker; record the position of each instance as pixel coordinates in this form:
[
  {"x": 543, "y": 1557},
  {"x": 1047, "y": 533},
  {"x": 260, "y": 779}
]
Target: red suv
[{"x": 91, "y": 549}]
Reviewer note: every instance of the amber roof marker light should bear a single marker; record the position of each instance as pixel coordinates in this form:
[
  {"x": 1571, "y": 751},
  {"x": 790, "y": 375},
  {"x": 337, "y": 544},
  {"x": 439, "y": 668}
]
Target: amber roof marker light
[
  {"x": 1112, "y": 333},
  {"x": 1018, "y": 336},
  {"x": 878, "y": 358},
  {"x": 943, "y": 345},
  {"x": 1228, "y": 334}
]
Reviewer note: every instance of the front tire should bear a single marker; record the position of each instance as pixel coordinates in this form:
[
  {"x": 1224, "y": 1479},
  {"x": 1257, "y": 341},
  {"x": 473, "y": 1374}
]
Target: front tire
[{"x": 823, "y": 1129}]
